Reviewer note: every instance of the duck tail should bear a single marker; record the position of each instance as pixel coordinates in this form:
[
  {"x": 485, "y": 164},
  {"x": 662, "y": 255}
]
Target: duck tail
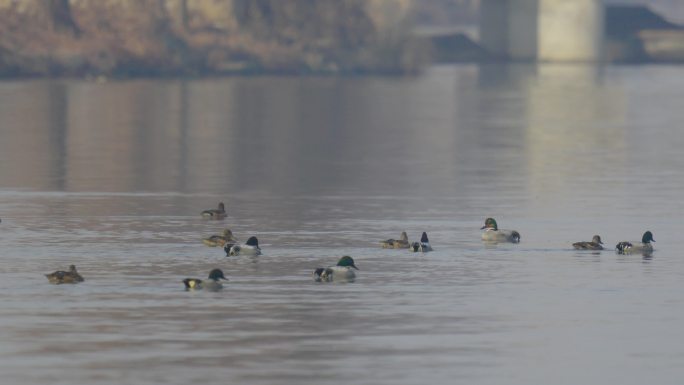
[
  {"x": 515, "y": 237},
  {"x": 623, "y": 246}
]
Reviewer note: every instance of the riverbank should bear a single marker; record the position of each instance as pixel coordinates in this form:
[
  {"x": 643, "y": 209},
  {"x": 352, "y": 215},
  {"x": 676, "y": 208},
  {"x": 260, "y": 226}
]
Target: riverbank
[
  {"x": 155, "y": 38},
  {"x": 183, "y": 37}
]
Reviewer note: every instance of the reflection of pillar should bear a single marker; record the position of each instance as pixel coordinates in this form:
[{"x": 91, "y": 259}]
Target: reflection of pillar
[
  {"x": 586, "y": 141},
  {"x": 57, "y": 131},
  {"x": 547, "y": 30}
]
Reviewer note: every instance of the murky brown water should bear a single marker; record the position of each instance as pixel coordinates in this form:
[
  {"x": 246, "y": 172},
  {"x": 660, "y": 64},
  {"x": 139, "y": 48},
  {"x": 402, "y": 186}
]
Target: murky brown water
[{"x": 112, "y": 177}]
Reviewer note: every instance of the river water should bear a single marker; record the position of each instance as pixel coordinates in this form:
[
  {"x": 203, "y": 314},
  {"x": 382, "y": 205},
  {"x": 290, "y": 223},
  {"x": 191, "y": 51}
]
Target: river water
[{"x": 112, "y": 177}]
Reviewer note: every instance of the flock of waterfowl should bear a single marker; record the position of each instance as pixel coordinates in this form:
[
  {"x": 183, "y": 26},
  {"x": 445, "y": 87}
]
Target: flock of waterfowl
[{"x": 344, "y": 269}]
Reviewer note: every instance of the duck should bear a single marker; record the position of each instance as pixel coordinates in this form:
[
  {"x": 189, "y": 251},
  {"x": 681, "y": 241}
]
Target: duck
[
  {"x": 595, "y": 244},
  {"x": 218, "y": 213},
  {"x": 423, "y": 245},
  {"x": 492, "y": 233},
  {"x": 251, "y": 247},
  {"x": 644, "y": 246},
  {"x": 401, "y": 243},
  {"x": 220, "y": 240},
  {"x": 59, "y": 277},
  {"x": 211, "y": 284},
  {"x": 340, "y": 272}
]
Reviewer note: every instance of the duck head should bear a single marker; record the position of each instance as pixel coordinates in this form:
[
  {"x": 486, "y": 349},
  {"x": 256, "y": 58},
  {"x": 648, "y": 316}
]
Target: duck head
[
  {"x": 647, "y": 238},
  {"x": 72, "y": 268},
  {"x": 597, "y": 239},
  {"x": 252, "y": 241},
  {"x": 217, "y": 274},
  {"x": 347, "y": 261},
  {"x": 221, "y": 206},
  {"x": 490, "y": 223},
  {"x": 404, "y": 237},
  {"x": 228, "y": 235},
  {"x": 424, "y": 238}
]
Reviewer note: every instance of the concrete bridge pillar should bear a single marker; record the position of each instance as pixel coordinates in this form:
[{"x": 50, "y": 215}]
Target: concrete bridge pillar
[{"x": 544, "y": 30}]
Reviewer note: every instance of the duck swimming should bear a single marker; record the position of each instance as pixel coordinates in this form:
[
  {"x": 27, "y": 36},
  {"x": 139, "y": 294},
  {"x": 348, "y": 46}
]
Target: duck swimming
[
  {"x": 220, "y": 240},
  {"x": 340, "y": 272},
  {"x": 211, "y": 284},
  {"x": 401, "y": 243},
  {"x": 595, "y": 244},
  {"x": 644, "y": 246},
  {"x": 423, "y": 245},
  {"x": 251, "y": 247},
  {"x": 218, "y": 213},
  {"x": 492, "y": 233},
  {"x": 59, "y": 277}
]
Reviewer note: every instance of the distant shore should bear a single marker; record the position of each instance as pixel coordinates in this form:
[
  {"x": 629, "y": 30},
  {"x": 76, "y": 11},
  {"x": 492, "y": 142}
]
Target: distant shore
[
  {"x": 124, "y": 38},
  {"x": 97, "y": 39}
]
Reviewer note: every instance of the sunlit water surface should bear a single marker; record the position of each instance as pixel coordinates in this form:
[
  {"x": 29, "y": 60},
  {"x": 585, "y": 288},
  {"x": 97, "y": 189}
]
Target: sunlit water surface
[{"x": 112, "y": 177}]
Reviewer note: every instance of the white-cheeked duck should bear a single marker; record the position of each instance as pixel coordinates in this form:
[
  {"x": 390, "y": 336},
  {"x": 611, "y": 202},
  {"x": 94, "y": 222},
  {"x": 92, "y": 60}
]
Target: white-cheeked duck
[
  {"x": 213, "y": 283},
  {"x": 251, "y": 247},
  {"x": 342, "y": 272}
]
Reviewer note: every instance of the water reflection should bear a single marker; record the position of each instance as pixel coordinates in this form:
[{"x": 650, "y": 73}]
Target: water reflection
[{"x": 554, "y": 123}]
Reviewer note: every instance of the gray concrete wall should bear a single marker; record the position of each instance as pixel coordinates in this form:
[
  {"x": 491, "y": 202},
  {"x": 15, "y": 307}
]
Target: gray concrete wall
[
  {"x": 493, "y": 27},
  {"x": 570, "y": 30},
  {"x": 523, "y": 29},
  {"x": 545, "y": 30}
]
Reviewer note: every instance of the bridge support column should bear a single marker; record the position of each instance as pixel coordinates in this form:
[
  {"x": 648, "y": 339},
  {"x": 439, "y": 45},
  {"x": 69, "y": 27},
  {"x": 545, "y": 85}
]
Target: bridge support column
[{"x": 545, "y": 30}]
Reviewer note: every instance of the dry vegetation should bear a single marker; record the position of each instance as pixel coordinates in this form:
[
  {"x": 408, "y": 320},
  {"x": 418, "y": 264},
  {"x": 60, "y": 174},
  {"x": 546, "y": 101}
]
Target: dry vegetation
[{"x": 172, "y": 37}]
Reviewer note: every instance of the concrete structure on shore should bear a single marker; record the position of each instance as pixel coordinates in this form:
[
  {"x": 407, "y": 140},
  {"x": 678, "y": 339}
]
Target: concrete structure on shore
[{"x": 543, "y": 30}]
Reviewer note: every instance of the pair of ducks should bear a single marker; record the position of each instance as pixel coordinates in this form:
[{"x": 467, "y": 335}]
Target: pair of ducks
[
  {"x": 623, "y": 247},
  {"x": 229, "y": 243},
  {"x": 403, "y": 243},
  {"x": 342, "y": 272},
  {"x": 72, "y": 276}
]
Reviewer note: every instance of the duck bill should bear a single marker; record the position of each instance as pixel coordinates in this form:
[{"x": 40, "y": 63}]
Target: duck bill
[
  {"x": 354, "y": 266},
  {"x": 483, "y": 227}
]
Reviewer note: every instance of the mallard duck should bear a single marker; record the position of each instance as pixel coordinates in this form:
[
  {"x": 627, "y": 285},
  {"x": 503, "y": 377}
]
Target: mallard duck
[
  {"x": 59, "y": 277},
  {"x": 212, "y": 284},
  {"x": 340, "y": 272},
  {"x": 218, "y": 213},
  {"x": 220, "y": 240},
  {"x": 595, "y": 244},
  {"x": 401, "y": 243},
  {"x": 644, "y": 246},
  {"x": 492, "y": 233},
  {"x": 251, "y": 247},
  {"x": 423, "y": 245}
]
